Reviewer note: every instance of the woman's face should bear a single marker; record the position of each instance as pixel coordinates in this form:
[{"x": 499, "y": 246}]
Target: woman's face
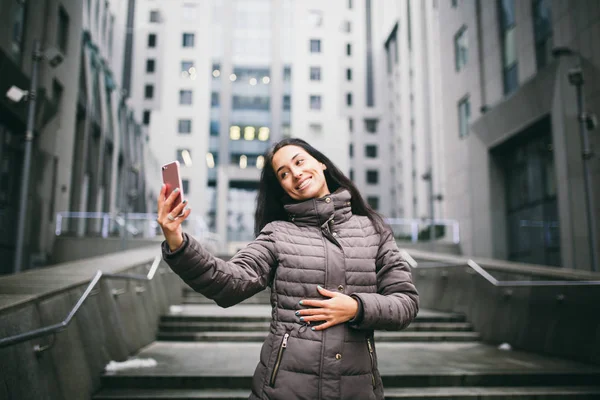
[{"x": 299, "y": 173}]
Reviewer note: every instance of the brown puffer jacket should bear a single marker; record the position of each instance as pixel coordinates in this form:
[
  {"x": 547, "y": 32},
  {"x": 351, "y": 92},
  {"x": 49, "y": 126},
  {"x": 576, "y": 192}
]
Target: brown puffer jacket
[{"x": 322, "y": 244}]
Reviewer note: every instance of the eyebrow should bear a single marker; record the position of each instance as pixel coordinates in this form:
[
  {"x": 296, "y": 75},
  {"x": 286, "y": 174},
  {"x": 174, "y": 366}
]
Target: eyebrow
[{"x": 279, "y": 169}]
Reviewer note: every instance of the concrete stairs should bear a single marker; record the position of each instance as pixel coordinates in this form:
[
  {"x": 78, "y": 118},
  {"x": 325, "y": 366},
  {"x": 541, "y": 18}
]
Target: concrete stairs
[{"x": 206, "y": 352}]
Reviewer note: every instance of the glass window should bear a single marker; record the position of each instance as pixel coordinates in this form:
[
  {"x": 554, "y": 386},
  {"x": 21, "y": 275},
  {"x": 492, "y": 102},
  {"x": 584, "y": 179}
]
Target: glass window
[
  {"x": 315, "y": 102},
  {"x": 348, "y": 49},
  {"x": 260, "y": 103},
  {"x": 214, "y": 128},
  {"x": 351, "y": 150},
  {"x": 287, "y": 102},
  {"x": 186, "y": 66},
  {"x": 371, "y": 125},
  {"x": 287, "y": 74},
  {"x": 150, "y": 65},
  {"x": 62, "y": 36},
  {"x": 17, "y": 30},
  {"x": 509, "y": 46},
  {"x": 348, "y": 99},
  {"x": 185, "y": 186},
  {"x": 149, "y": 91},
  {"x": 315, "y": 129},
  {"x": 453, "y": 3},
  {"x": 184, "y": 126},
  {"x": 188, "y": 40},
  {"x": 350, "y": 124},
  {"x": 350, "y": 4},
  {"x": 152, "y": 40},
  {"x": 464, "y": 114},
  {"x": 315, "y": 73},
  {"x": 371, "y": 151},
  {"x": 372, "y": 176},
  {"x": 214, "y": 99},
  {"x": 146, "y": 117},
  {"x": 461, "y": 48},
  {"x": 542, "y": 32},
  {"x": 351, "y": 175},
  {"x": 185, "y": 97},
  {"x": 154, "y": 16},
  {"x": 315, "y": 45},
  {"x": 373, "y": 202},
  {"x": 349, "y": 74},
  {"x": 347, "y": 26}
]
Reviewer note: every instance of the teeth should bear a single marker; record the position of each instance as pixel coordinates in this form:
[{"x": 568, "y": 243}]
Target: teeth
[{"x": 304, "y": 184}]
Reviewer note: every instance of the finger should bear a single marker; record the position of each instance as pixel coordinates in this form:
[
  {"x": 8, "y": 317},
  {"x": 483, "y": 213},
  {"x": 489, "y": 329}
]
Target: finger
[
  {"x": 313, "y": 303},
  {"x": 169, "y": 201},
  {"x": 312, "y": 318},
  {"x": 327, "y": 293},
  {"x": 321, "y": 327},
  {"x": 178, "y": 210},
  {"x": 312, "y": 311},
  {"x": 161, "y": 198}
]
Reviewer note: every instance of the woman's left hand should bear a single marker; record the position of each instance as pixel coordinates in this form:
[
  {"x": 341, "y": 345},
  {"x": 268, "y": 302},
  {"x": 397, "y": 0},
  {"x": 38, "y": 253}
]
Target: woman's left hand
[{"x": 338, "y": 309}]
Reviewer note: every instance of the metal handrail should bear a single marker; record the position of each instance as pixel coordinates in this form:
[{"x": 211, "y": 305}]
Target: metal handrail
[
  {"x": 55, "y": 328},
  {"x": 495, "y": 282}
]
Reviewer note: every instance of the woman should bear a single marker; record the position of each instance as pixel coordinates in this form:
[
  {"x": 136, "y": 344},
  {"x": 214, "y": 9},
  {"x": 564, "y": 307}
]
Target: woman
[{"x": 334, "y": 270}]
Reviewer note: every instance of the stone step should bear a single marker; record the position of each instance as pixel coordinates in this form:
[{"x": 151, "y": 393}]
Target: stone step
[
  {"x": 214, "y": 365},
  {"x": 437, "y": 393},
  {"x": 185, "y": 326},
  {"x": 262, "y": 313},
  {"x": 402, "y": 336}
]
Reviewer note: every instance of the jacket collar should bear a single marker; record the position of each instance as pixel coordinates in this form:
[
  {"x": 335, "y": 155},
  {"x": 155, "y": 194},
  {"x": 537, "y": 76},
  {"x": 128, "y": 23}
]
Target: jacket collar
[{"x": 316, "y": 212}]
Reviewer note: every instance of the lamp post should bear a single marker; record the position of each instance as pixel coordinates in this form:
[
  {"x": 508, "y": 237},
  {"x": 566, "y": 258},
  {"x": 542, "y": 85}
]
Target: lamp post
[{"x": 54, "y": 58}]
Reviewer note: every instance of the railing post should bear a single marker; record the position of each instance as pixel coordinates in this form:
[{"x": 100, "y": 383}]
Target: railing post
[
  {"x": 105, "y": 221},
  {"x": 414, "y": 231},
  {"x": 58, "y": 229}
]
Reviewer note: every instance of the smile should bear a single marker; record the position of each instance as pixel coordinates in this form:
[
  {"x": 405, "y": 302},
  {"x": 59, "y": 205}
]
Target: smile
[{"x": 304, "y": 184}]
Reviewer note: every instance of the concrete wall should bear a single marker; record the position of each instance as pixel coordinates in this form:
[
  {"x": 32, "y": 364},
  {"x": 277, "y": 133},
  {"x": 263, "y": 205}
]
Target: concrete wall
[
  {"x": 558, "y": 321},
  {"x": 107, "y": 327}
]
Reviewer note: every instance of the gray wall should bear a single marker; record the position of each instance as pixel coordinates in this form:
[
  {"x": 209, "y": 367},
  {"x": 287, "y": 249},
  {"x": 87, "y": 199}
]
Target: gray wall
[{"x": 107, "y": 327}]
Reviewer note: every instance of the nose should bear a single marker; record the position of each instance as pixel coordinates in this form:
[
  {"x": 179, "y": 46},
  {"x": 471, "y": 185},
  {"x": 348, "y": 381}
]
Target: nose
[{"x": 296, "y": 172}]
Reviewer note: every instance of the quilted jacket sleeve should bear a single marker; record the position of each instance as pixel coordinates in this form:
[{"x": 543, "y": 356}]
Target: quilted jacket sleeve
[
  {"x": 226, "y": 282},
  {"x": 396, "y": 302}
]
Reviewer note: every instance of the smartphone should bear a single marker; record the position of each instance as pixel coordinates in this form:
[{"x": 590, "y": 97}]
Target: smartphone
[{"x": 172, "y": 179}]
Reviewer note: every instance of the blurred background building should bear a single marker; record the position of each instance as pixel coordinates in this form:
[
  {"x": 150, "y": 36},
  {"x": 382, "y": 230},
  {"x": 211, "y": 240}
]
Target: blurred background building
[{"x": 443, "y": 110}]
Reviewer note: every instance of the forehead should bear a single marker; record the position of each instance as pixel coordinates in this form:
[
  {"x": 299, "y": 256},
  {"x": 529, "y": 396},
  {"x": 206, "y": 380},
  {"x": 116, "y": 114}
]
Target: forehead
[{"x": 285, "y": 155}]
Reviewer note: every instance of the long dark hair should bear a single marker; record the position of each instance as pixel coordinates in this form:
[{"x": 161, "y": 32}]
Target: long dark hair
[{"x": 269, "y": 202}]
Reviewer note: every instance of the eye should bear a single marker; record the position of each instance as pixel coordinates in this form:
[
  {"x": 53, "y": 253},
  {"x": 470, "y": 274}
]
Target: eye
[
  {"x": 283, "y": 175},
  {"x": 300, "y": 161}
]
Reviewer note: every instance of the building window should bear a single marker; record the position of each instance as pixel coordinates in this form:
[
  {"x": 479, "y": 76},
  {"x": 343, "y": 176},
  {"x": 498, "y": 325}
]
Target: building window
[
  {"x": 371, "y": 125},
  {"x": 152, "y": 40},
  {"x": 315, "y": 18},
  {"x": 150, "y": 65},
  {"x": 373, "y": 202},
  {"x": 184, "y": 156},
  {"x": 185, "y": 186},
  {"x": 348, "y": 49},
  {"x": 214, "y": 128},
  {"x": 542, "y": 32},
  {"x": 154, "y": 16},
  {"x": 214, "y": 99},
  {"x": 287, "y": 74},
  {"x": 315, "y": 129},
  {"x": 186, "y": 66},
  {"x": 454, "y": 3},
  {"x": 464, "y": 113},
  {"x": 371, "y": 151},
  {"x": 350, "y": 124},
  {"x": 350, "y": 4},
  {"x": 146, "y": 117},
  {"x": 349, "y": 99},
  {"x": 372, "y": 176},
  {"x": 347, "y": 26},
  {"x": 315, "y": 102},
  {"x": 259, "y": 103},
  {"x": 149, "y": 91},
  {"x": 461, "y": 48},
  {"x": 351, "y": 174},
  {"x": 185, "y": 97},
  {"x": 315, "y": 45},
  {"x": 184, "y": 126},
  {"x": 62, "y": 36},
  {"x": 509, "y": 47},
  {"x": 188, "y": 40},
  {"x": 349, "y": 74},
  {"x": 315, "y": 73},
  {"x": 287, "y": 102},
  {"x": 18, "y": 22},
  {"x": 351, "y": 150}
]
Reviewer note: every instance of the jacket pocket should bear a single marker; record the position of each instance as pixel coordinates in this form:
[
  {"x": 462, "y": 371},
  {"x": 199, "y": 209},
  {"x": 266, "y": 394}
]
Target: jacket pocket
[
  {"x": 372, "y": 356},
  {"x": 282, "y": 347}
]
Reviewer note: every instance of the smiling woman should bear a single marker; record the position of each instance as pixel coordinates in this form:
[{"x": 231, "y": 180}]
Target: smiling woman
[{"x": 332, "y": 265}]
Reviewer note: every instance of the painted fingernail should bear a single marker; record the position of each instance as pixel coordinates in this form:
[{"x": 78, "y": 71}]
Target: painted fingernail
[
  {"x": 301, "y": 318},
  {"x": 185, "y": 201},
  {"x": 297, "y": 312},
  {"x": 320, "y": 287},
  {"x": 300, "y": 302},
  {"x": 176, "y": 190},
  {"x": 312, "y": 329}
]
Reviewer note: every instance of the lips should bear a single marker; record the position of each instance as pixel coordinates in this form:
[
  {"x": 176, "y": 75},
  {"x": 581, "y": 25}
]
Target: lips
[{"x": 304, "y": 184}]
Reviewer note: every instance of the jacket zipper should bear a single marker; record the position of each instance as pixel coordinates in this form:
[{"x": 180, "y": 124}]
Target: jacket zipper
[
  {"x": 371, "y": 354},
  {"x": 279, "y": 356}
]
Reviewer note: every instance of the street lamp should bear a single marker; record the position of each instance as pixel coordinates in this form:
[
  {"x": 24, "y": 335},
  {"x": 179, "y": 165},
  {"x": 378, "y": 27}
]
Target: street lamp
[
  {"x": 587, "y": 122},
  {"x": 54, "y": 58}
]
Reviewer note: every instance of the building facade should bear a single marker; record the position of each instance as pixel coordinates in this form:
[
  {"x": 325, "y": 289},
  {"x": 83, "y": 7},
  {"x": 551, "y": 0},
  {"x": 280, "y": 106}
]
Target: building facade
[{"x": 81, "y": 148}]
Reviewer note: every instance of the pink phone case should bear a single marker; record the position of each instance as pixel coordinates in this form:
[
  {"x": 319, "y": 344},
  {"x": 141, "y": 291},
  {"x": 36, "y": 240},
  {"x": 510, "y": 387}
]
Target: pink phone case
[{"x": 172, "y": 178}]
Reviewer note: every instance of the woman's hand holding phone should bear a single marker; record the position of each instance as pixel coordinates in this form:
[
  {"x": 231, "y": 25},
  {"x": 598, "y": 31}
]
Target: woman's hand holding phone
[{"x": 170, "y": 218}]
